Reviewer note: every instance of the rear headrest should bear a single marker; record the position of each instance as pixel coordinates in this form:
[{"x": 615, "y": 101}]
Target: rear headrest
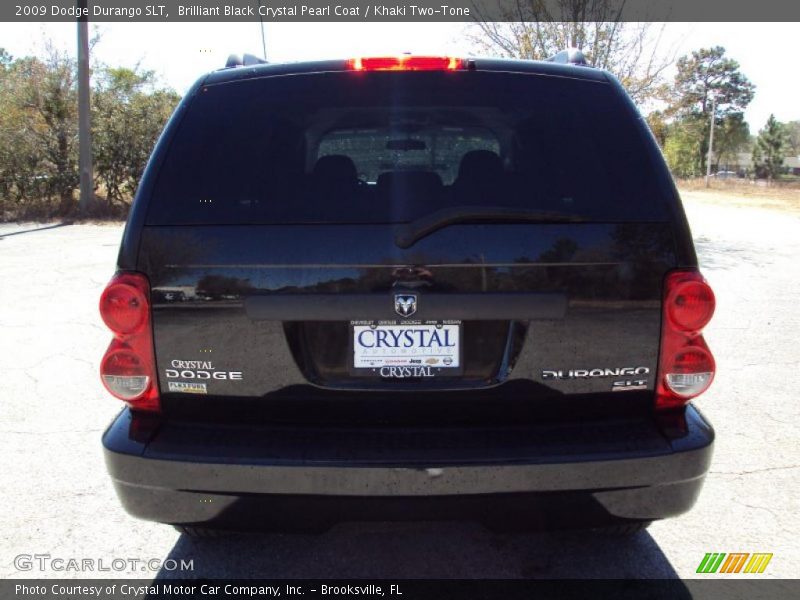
[
  {"x": 335, "y": 167},
  {"x": 480, "y": 164},
  {"x": 410, "y": 181}
]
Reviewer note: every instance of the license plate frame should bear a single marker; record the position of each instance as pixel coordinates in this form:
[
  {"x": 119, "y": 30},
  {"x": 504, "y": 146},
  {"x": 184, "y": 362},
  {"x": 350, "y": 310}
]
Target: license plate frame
[{"x": 413, "y": 362}]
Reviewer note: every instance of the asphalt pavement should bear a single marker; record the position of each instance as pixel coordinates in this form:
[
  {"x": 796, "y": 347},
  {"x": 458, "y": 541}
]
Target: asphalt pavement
[{"x": 58, "y": 500}]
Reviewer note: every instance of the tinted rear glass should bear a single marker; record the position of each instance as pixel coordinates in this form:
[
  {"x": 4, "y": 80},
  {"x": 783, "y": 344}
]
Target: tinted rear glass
[{"x": 391, "y": 147}]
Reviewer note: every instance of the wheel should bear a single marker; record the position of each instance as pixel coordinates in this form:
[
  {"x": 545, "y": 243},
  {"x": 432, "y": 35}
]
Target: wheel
[
  {"x": 200, "y": 533},
  {"x": 623, "y": 529}
]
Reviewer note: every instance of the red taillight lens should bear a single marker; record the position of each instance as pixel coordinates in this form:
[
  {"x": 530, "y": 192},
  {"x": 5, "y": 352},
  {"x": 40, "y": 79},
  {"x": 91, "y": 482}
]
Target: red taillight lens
[
  {"x": 128, "y": 368},
  {"x": 123, "y": 306},
  {"x": 406, "y": 63},
  {"x": 690, "y": 305},
  {"x": 686, "y": 366}
]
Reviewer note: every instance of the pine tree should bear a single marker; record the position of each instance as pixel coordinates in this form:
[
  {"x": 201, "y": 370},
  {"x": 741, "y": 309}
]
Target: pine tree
[
  {"x": 768, "y": 149},
  {"x": 700, "y": 75}
]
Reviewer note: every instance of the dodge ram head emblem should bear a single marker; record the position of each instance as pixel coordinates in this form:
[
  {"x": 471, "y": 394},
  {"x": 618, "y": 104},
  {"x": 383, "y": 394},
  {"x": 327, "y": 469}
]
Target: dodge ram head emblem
[{"x": 405, "y": 305}]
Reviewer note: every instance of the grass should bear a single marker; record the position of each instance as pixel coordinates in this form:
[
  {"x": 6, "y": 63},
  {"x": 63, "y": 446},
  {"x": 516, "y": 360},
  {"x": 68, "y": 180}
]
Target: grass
[{"x": 782, "y": 195}]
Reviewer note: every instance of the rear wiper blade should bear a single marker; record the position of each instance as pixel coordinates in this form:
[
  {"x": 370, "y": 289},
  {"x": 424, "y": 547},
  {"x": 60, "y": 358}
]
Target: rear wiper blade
[{"x": 412, "y": 232}]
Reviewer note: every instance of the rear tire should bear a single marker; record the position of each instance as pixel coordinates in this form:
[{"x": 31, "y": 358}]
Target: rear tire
[
  {"x": 201, "y": 533},
  {"x": 623, "y": 529}
]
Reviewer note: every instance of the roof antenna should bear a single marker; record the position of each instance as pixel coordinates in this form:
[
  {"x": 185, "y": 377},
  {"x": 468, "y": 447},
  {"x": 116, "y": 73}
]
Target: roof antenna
[{"x": 263, "y": 36}]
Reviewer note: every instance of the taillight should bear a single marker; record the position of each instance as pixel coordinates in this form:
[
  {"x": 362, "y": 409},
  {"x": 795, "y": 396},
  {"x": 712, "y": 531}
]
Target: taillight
[
  {"x": 406, "y": 62},
  {"x": 123, "y": 306},
  {"x": 686, "y": 367},
  {"x": 128, "y": 369},
  {"x": 690, "y": 305}
]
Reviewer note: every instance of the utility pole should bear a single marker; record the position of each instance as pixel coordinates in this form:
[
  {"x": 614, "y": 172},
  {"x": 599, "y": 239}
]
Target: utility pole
[
  {"x": 84, "y": 124},
  {"x": 711, "y": 140}
]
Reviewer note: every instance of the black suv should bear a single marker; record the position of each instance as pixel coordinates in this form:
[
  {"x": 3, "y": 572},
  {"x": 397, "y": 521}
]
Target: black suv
[{"x": 407, "y": 288}]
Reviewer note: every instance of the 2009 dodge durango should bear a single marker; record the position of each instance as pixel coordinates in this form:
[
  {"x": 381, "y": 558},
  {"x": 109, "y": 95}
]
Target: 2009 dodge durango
[{"x": 407, "y": 288}]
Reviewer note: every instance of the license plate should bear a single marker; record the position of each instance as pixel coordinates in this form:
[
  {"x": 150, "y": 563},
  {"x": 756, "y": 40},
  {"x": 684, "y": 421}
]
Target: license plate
[{"x": 401, "y": 349}]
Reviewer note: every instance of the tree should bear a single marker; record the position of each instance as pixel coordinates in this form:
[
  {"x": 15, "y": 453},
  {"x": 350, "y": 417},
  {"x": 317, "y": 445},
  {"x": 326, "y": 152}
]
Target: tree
[
  {"x": 38, "y": 128},
  {"x": 129, "y": 113},
  {"x": 5, "y": 60},
  {"x": 682, "y": 149},
  {"x": 731, "y": 136},
  {"x": 769, "y": 149},
  {"x": 20, "y": 153},
  {"x": 38, "y": 132},
  {"x": 707, "y": 71},
  {"x": 792, "y": 131},
  {"x": 658, "y": 126},
  {"x": 48, "y": 90},
  {"x": 700, "y": 75},
  {"x": 536, "y": 30},
  {"x": 7, "y": 145}
]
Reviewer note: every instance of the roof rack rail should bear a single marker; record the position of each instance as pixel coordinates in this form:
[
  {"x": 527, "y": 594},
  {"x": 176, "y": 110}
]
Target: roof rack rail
[
  {"x": 246, "y": 60},
  {"x": 570, "y": 56}
]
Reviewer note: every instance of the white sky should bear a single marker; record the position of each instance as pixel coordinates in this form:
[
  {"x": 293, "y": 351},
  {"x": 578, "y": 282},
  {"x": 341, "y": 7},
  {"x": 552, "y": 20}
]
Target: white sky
[{"x": 180, "y": 52}]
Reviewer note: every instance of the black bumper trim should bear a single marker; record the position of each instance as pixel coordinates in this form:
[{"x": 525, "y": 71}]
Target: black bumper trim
[{"x": 170, "y": 476}]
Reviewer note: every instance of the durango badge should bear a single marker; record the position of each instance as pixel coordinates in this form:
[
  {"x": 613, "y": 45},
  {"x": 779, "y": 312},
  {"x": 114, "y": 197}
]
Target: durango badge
[{"x": 405, "y": 305}]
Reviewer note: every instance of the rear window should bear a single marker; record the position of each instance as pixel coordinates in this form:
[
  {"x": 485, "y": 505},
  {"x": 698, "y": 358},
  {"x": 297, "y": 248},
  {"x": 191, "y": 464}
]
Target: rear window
[
  {"x": 437, "y": 149},
  {"x": 390, "y": 147}
]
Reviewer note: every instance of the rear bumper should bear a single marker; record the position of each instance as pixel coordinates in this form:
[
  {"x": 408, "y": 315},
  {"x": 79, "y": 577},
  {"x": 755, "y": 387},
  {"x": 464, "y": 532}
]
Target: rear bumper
[{"x": 579, "y": 474}]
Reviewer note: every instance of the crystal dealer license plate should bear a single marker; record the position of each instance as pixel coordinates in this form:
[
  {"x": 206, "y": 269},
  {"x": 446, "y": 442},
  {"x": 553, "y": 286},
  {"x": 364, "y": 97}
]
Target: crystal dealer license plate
[{"x": 402, "y": 349}]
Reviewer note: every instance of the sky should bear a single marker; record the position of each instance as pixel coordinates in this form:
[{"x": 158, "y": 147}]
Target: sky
[{"x": 181, "y": 52}]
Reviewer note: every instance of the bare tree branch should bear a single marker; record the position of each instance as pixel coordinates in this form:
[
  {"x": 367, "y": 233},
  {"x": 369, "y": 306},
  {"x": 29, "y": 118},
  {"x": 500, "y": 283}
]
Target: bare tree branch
[{"x": 537, "y": 29}]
